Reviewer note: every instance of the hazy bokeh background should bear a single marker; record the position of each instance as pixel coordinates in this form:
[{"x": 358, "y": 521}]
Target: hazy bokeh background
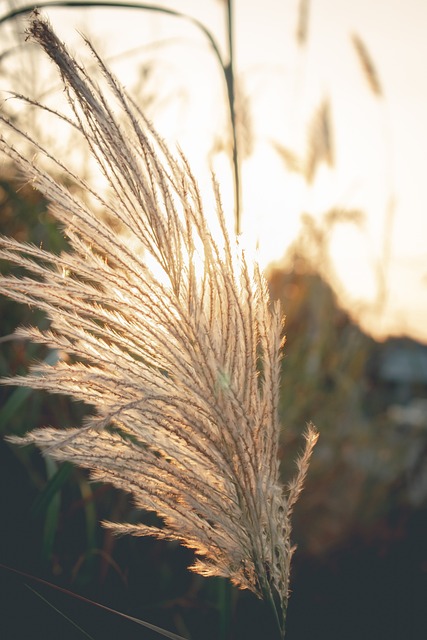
[{"x": 331, "y": 116}]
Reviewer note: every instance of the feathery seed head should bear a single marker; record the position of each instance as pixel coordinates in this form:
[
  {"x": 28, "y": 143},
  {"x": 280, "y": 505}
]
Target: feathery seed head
[{"x": 185, "y": 366}]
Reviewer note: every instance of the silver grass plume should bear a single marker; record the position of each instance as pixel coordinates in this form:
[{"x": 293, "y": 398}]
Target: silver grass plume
[{"x": 182, "y": 370}]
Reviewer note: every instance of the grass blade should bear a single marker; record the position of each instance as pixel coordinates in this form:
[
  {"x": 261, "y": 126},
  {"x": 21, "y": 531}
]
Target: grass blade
[
  {"x": 61, "y": 613},
  {"x": 142, "y": 623}
]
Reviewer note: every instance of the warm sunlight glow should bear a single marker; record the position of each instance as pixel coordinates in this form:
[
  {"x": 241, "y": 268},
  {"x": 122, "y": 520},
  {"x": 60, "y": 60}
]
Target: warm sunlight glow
[{"x": 377, "y": 134}]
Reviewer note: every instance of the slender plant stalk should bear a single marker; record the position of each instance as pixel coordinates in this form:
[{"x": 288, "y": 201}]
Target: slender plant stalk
[{"x": 229, "y": 76}]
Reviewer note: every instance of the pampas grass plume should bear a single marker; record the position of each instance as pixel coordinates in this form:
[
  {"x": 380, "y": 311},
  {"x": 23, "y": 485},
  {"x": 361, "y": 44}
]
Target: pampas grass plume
[{"x": 182, "y": 370}]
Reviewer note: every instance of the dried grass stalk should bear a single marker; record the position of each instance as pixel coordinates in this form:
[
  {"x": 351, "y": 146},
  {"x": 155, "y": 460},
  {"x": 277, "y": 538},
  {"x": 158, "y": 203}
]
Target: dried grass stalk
[
  {"x": 183, "y": 370},
  {"x": 320, "y": 141},
  {"x": 303, "y": 22},
  {"x": 367, "y": 65}
]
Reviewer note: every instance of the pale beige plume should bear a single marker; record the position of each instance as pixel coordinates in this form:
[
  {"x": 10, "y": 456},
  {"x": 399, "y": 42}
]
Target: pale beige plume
[{"x": 183, "y": 370}]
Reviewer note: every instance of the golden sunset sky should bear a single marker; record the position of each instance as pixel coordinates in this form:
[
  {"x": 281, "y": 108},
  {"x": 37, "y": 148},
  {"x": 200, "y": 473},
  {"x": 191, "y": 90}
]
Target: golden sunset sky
[{"x": 380, "y": 142}]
